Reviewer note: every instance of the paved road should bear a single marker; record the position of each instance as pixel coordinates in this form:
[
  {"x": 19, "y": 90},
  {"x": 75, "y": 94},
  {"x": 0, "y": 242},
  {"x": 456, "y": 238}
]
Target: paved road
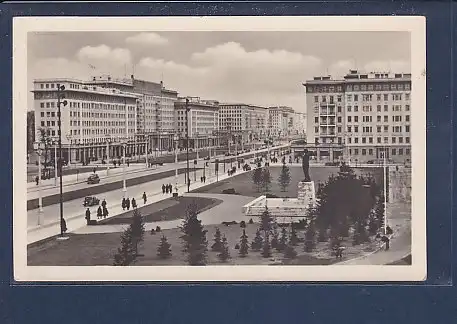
[{"x": 78, "y": 190}]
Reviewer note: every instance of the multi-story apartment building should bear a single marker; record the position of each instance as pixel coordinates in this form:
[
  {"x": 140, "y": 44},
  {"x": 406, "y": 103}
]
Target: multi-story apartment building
[
  {"x": 360, "y": 116},
  {"x": 201, "y": 121},
  {"x": 155, "y": 111},
  {"x": 280, "y": 120},
  {"x": 244, "y": 122},
  {"x": 92, "y": 115},
  {"x": 299, "y": 124}
]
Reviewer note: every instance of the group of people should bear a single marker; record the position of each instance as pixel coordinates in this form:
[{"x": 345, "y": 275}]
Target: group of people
[
  {"x": 203, "y": 179},
  {"x": 167, "y": 188},
  {"x": 102, "y": 212},
  {"x": 126, "y": 203}
]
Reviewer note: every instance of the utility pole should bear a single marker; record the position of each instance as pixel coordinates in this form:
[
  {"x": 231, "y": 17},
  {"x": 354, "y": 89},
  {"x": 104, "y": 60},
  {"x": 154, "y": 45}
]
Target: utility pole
[{"x": 60, "y": 101}]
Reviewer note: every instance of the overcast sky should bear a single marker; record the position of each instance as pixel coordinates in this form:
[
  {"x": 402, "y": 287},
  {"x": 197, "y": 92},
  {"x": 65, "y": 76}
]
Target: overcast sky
[{"x": 261, "y": 68}]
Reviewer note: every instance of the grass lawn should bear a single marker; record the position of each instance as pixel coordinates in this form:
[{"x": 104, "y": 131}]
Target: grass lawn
[
  {"x": 244, "y": 185},
  {"x": 99, "y": 249},
  {"x": 165, "y": 210}
]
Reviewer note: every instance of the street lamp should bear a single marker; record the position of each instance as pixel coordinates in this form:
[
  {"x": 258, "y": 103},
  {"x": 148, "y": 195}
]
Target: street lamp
[
  {"x": 124, "y": 186},
  {"x": 61, "y": 101},
  {"x": 147, "y": 147},
  {"x": 108, "y": 140},
  {"x": 176, "y": 141},
  {"x": 187, "y": 143},
  {"x": 38, "y": 147},
  {"x": 385, "y": 189},
  {"x": 55, "y": 141}
]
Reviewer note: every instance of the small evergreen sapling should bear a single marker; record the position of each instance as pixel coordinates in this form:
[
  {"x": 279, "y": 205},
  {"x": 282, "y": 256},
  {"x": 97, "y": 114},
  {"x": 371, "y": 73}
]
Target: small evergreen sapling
[
  {"x": 138, "y": 230},
  {"x": 266, "y": 249},
  {"x": 164, "y": 249},
  {"x": 194, "y": 238},
  {"x": 217, "y": 246},
  {"x": 283, "y": 240},
  {"x": 257, "y": 243},
  {"x": 224, "y": 254},
  {"x": 244, "y": 245},
  {"x": 284, "y": 178},
  {"x": 125, "y": 254}
]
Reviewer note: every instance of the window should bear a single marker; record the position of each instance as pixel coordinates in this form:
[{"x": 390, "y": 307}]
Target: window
[
  {"x": 378, "y": 108},
  {"x": 356, "y": 140},
  {"x": 316, "y": 120},
  {"x": 363, "y": 87},
  {"x": 370, "y": 140},
  {"x": 407, "y": 128},
  {"x": 42, "y": 123},
  {"x": 407, "y": 87},
  {"x": 386, "y": 140},
  {"x": 407, "y": 152},
  {"x": 407, "y": 140},
  {"x": 370, "y": 152},
  {"x": 370, "y": 87},
  {"x": 356, "y": 119},
  {"x": 349, "y": 140},
  {"x": 349, "y": 129},
  {"x": 386, "y": 97},
  {"x": 364, "y": 140},
  {"x": 47, "y": 86},
  {"x": 349, "y": 119},
  {"x": 356, "y": 129},
  {"x": 378, "y": 140},
  {"x": 339, "y": 119},
  {"x": 356, "y": 97},
  {"x": 52, "y": 85},
  {"x": 386, "y": 129},
  {"x": 42, "y": 114},
  {"x": 324, "y": 99},
  {"x": 53, "y": 114},
  {"x": 364, "y": 152},
  {"x": 378, "y": 119},
  {"x": 378, "y": 129},
  {"x": 394, "y": 140},
  {"x": 316, "y": 98},
  {"x": 407, "y": 118},
  {"x": 356, "y": 108},
  {"x": 394, "y": 151},
  {"x": 339, "y": 109},
  {"x": 400, "y": 151},
  {"x": 356, "y": 151},
  {"x": 316, "y": 129},
  {"x": 400, "y": 87},
  {"x": 339, "y": 129},
  {"x": 407, "y": 107},
  {"x": 349, "y": 109},
  {"x": 407, "y": 96},
  {"x": 356, "y": 88},
  {"x": 53, "y": 133},
  {"x": 400, "y": 140},
  {"x": 339, "y": 98},
  {"x": 386, "y": 119}
]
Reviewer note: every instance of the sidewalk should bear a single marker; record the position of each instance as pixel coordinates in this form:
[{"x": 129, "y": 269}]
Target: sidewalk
[{"x": 77, "y": 221}]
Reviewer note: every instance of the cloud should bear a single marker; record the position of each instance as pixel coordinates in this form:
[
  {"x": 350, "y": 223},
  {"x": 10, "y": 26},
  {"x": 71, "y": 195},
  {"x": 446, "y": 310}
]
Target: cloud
[
  {"x": 228, "y": 72},
  {"x": 105, "y": 55},
  {"x": 146, "y": 39}
]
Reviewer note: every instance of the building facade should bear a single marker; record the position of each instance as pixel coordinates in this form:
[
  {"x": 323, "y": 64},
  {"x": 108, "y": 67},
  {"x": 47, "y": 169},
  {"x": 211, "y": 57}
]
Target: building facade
[
  {"x": 359, "y": 117},
  {"x": 95, "y": 121},
  {"x": 243, "y": 122},
  {"x": 281, "y": 121},
  {"x": 201, "y": 121}
]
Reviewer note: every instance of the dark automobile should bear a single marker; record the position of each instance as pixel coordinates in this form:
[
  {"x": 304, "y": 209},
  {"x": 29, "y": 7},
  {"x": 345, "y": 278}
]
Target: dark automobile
[
  {"x": 93, "y": 179},
  {"x": 206, "y": 158},
  {"x": 91, "y": 201}
]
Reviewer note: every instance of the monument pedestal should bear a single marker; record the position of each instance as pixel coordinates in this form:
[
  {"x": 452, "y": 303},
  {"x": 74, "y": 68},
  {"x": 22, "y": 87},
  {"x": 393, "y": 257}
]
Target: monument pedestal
[{"x": 306, "y": 193}]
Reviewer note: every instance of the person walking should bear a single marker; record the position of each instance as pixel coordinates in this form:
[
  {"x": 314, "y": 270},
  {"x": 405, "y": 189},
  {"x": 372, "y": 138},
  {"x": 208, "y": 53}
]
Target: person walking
[
  {"x": 170, "y": 188},
  {"x": 124, "y": 204},
  {"x": 163, "y": 188},
  {"x": 133, "y": 203},
  {"x": 94, "y": 169},
  {"x": 103, "y": 203},
  {"x": 144, "y": 198},
  {"x": 63, "y": 225},
  {"x": 99, "y": 212},
  {"x": 128, "y": 163},
  {"x": 105, "y": 212},
  {"x": 87, "y": 216},
  {"x": 37, "y": 180},
  {"x": 127, "y": 203}
]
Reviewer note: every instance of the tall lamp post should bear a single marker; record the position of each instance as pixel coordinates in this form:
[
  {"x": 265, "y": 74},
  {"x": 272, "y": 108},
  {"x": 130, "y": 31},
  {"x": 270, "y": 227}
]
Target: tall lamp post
[
  {"x": 61, "y": 101},
  {"x": 147, "y": 147},
  {"x": 124, "y": 184},
  {"x": 385, "y": 190},
  {"x": 187, "y": 143},
  {"x": 108, "y": 140},
  {"x": 176, "y": 140},
  {"x": 38, "y": 147},
  {"x": 55, "y": 142}
]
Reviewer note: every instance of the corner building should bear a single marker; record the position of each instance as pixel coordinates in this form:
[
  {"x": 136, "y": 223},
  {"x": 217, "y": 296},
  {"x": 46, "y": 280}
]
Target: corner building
[{"x": 359, "y": 117}]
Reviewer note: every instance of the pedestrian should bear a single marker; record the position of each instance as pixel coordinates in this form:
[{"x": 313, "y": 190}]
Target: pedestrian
[
  {"x": 63, "y": 225},
  {"x": 201, "y": 179},
  {"x": 170, "y": 188},
  {"x": 127, "y": 203},
  {"x": 144, "y": 198},
  {"x": 133, "y": 203},
  {"x": 99, "y": 212},
  {"x": 188, "y": 182},
  {"x": 128, "y": 163},
  {"x": 94, "y": 170},
  {"x": 204, "y": 179},
  {"x": 124, "y": 204},
  {"x": 88, "y": 216},
  {"x": 163, "y": 188},
  {"x": 105, "y": 212},
  {"x": 37, "y": 180},
  {"x": 166, "y": 188},
  {"x": 104, "y": 203}
]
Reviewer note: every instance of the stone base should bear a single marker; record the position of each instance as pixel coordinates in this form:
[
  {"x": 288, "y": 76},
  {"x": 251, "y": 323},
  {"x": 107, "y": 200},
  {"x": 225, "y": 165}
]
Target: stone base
[{"x": 306, "y": 193}]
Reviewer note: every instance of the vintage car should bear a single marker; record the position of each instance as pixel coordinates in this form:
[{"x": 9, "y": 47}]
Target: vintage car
[
  {"x": 93, "y": 178},
  {"x": 91, "y": 201}
]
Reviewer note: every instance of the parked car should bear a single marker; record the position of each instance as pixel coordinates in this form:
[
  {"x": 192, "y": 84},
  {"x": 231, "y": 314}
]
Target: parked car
[
  {"x": 91, "y": 201},
  {"x": 93, "y": 179},
  {"x": 206, "y": 158}
]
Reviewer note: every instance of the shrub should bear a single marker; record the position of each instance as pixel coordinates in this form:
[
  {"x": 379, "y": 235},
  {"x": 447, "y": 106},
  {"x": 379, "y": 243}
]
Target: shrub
[{"x": 251, "y": 221}]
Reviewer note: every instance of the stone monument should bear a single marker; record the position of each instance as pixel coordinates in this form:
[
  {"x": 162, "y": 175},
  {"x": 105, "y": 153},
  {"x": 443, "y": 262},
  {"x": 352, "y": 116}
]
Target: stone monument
[{"x": 306, "y": 189}]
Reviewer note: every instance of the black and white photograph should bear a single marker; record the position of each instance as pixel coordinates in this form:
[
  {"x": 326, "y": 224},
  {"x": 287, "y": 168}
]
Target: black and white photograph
[{"x": 222, "y": 148}]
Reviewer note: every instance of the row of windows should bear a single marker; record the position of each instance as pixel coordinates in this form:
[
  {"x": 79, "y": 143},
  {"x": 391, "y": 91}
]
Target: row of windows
[
  {"x": 379, "y": 140},
  {"x": 395, "y": 129},
  {"x": 367, "y": 119},
  {"x": 370, "y": 151},
  {"x": 362, "y": 87}
]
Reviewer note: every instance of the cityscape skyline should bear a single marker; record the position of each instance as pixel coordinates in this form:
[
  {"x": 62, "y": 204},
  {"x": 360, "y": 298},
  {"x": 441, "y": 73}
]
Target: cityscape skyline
[{"x": 224, "y": 66}]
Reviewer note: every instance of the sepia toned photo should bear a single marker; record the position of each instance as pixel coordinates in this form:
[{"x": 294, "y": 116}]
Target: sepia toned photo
[{"x": 219, "y": 149}]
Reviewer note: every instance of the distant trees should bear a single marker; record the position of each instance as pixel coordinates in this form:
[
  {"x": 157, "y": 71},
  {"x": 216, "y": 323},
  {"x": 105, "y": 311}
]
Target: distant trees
[
  {"x": 244, "y": 245},
  {"x": 164, "y": 249},
  {"x": 130, "y": 239}
]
